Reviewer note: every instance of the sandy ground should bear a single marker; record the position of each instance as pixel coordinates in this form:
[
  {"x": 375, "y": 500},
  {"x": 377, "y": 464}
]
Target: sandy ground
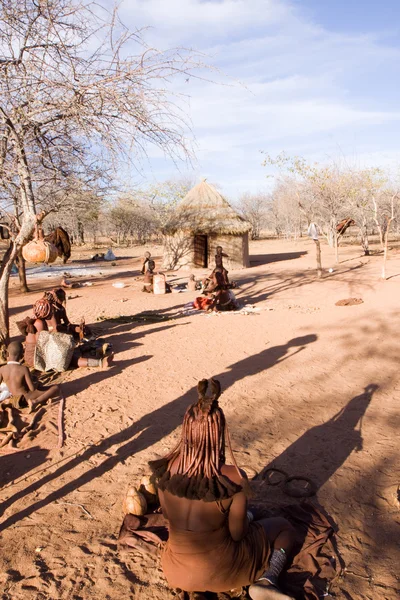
[{"x": 308, "y": 386}]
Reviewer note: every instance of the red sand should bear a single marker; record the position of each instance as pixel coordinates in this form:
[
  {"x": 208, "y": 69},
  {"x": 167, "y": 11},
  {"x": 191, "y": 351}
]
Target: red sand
[{"x": 293, "y": 376}]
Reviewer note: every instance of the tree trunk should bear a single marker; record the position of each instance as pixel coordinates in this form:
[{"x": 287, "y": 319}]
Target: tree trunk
[
  {"x": 364, "y": 239},
  {"x": 319, "y": 263},
  {"x": 336, "y": 245},
  {"x": 80, "y": 236},
  {"x": 5, "y": 271},
  {"x": 20, "y": 262},
  {"x": 26, "y": 231},
  {"x": 385, "y": 247}
]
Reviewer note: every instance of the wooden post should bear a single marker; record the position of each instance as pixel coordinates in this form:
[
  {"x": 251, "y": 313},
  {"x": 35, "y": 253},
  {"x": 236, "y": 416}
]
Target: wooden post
[{"x": 319, "y": 264}]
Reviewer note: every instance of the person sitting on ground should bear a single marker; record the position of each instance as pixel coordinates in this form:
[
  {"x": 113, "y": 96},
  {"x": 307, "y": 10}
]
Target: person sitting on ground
[
  {"x": 98, "y": 256},
  {"x": 29, "y": 330},
  {"x": 68, "y": 284},
  {"x": 51, "y": 309},
  {"x": 19, "y": 381},
  {"x": 210, "y": 284},
  {"x": 146, "y": 259},
  {"x": 192, "y": 285},
  {"x": 223, "y": 299},
  {"x": 214, "y": 543},
  {"x": 149, "y": 276}
]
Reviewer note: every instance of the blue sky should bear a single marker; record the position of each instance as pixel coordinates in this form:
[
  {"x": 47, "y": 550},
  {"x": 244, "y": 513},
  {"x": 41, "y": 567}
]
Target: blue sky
[{"x": 313, "y": 78}]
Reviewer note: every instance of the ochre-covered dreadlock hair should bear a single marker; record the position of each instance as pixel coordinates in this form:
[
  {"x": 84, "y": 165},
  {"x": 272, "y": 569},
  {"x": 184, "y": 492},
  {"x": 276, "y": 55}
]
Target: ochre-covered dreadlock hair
[
  {"x": 200, "y": 454},
  {"x": 43, "y": 308},
  {"x": 58, "y": 295},
  {"x": 26, "y": 326}
]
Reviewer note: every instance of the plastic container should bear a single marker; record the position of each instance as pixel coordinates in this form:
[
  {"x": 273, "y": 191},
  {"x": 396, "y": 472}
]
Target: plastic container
[{"x": 159, "y": 283}]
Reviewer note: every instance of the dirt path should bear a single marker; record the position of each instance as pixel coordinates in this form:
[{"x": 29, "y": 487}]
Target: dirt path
[{"x": 308, "y": 386}]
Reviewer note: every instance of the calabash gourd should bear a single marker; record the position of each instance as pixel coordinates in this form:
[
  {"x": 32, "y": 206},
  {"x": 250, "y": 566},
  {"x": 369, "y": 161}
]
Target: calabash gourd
[
  {"x": 148, "y": 485},
  {"x": 135, "y": 503},
  {"x": 39, "y": 250}
]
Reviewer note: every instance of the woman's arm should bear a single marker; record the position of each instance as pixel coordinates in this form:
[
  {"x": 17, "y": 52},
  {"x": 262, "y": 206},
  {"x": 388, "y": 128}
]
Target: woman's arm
[
  {"x": 64, "y": 318},
  {"x": 238, "y": 521},
  {"x": 162, "y": 503}
]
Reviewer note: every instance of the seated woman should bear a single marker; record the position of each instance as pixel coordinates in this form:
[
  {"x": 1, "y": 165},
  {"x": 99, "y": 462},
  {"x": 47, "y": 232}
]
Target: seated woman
[
  {"x": 214, "y": 545},
  {"x": 50, "y": 314},
  {"x": 51, "y": 309},
  {"x": 222, "y": 298},
  {"x": 29, "y": 329}
]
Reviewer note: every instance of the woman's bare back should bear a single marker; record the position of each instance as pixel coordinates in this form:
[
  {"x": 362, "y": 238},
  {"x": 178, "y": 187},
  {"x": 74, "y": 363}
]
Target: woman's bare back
[{"x": 197, "y": 515}]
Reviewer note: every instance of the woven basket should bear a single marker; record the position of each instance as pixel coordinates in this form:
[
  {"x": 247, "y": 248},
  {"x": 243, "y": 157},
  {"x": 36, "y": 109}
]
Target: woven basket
[{"x": 54, "y": 351}]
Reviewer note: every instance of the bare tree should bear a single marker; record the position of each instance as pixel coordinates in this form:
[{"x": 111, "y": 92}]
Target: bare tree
[
  {"x": 285, "y": 210},
  {"x": 385, "y": 206},
  {"x": 71, "y": 90},
  {"x": 254, "y": 208},
  {"x": 368, "y": 184},
  {"x": 164, "y": 197},
  {"x": 322, "y": 193}
]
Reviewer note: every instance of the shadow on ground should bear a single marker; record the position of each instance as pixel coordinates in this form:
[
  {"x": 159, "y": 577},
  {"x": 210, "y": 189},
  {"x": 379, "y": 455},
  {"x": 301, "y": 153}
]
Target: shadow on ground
[
  {"x": 146, "y": 432},
  {"x": 266, "y": 259}
]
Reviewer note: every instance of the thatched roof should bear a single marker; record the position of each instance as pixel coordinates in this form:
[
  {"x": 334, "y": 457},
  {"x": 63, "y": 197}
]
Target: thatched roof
[{"x": 204, "y": 210}]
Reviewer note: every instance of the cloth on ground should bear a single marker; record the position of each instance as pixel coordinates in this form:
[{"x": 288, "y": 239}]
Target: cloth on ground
[
  {"x": 4, "y": 392},
  {"x": 202, "y": 303},
  {"x": 109, "y": 255},
  {"x": 314, "y": 566}
]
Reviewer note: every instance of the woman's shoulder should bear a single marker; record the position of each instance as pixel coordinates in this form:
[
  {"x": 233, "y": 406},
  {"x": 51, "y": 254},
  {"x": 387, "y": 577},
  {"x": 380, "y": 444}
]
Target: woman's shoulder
[{"x": 230, "y": 471}]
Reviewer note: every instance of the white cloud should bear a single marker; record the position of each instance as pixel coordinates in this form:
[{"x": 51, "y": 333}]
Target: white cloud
[{"x": 299, "y": 89}]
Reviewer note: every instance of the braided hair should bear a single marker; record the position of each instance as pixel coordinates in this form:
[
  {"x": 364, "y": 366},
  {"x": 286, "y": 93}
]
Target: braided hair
[
  {"x": 200, "y": 454},
  {"x": 26, "y": 326},
  {"x": 57, "y": 295},
  {"x": 43, "y": 308}
]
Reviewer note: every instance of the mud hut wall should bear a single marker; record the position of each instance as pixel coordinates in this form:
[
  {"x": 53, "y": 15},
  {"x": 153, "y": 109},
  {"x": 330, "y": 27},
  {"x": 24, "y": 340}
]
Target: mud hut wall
[
  {"x": 235, "y": 246},
  {"x": 178, "y": 250},
  {"x": 246, "y": 255}
]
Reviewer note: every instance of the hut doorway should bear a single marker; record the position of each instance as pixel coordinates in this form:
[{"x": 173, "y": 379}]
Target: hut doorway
[{"x": 200, "y": 251}]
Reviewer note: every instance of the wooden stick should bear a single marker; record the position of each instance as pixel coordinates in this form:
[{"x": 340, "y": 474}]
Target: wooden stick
[
  {"x": 319, "y": 264},
  {"x": 60, "y": 422}
]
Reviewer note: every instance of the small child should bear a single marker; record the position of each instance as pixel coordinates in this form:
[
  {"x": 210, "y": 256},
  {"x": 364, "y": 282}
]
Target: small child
[
  {"x": 19, "y": 381},
  {"x": 219, "y": 264},
  {"x": 148, "y": 278},
  {"x": 192, "y": 285},
  {"x": 146, "y": 260}
]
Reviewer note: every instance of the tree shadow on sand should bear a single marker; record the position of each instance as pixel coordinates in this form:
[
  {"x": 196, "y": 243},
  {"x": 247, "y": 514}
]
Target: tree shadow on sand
[
  {"x": 266, "y": 259},
  {"x": 122, "y": 339},
  {"x": 147, "y": 431},
  {"x": 18, "y": 464},
  {"x": 289, "y": 281}
]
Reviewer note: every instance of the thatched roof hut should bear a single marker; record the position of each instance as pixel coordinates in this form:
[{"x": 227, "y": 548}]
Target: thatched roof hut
[{"x": 203, "y": 221}]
